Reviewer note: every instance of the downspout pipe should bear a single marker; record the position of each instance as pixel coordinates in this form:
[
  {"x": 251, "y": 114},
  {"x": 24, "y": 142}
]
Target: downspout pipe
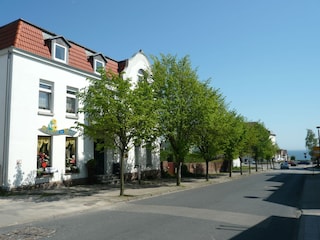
[{"x": 7, "y": 111}]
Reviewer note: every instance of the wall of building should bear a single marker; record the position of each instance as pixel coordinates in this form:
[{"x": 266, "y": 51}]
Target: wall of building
[
  {"x": 132, "y": 71},
  {"x": 3, "y": 105},
  {"x": 25, "y": 119}
]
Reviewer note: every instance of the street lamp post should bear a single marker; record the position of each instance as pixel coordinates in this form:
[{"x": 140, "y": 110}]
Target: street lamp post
[{"x": 318, "y": 127}]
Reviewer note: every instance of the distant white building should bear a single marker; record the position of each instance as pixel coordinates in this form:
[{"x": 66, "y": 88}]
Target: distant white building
[{"x": 40, "y": 74}]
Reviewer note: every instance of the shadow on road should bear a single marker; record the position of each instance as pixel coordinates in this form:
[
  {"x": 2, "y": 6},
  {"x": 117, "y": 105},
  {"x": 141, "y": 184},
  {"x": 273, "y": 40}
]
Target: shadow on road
[
  {"x": 272, "y": 228},
  {"x": 296, "y": 190}
]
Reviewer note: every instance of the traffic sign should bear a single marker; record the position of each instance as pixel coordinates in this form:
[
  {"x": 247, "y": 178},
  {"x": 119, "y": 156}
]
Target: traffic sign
[{"x": 316, "y": 151}]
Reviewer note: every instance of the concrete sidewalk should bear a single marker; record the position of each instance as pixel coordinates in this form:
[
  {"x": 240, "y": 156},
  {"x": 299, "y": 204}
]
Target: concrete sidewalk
[{"x": 309, "y": 227}]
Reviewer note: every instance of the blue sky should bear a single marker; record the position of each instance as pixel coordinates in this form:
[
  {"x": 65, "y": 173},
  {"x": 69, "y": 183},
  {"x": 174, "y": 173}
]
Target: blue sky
[{"x": 263, "y": 55}]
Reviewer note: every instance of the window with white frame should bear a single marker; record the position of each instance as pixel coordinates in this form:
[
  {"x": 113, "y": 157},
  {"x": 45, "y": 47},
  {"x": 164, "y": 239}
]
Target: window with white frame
[
  {"x": 60, "y": 52},
  {"x": 71, "y": 101},
  {"x": 46, "y": 96},
  {"x": 98, "y": 65}
]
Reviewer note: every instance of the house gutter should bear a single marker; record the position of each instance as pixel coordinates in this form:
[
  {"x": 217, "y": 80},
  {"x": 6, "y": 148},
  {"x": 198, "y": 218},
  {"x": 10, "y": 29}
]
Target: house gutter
[{"x": 6, "y": 135}]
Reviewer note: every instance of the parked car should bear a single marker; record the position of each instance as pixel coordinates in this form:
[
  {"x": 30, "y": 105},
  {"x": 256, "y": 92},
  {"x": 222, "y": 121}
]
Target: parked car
[
  {"x": 307, "y": 162},
  {"x": 292, "y": 163},
  {"x": 284, "y": 165}
]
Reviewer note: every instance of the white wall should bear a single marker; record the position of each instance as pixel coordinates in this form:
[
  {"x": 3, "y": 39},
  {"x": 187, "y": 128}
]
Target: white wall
[
  {"x": 3, "y": 104},
  {"x": 25, "y": 120},
  {"x": 135, "y": 63}
]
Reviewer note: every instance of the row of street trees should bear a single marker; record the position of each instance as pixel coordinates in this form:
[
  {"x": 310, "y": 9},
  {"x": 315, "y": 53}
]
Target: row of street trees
[
  {"x": 171, "y": 103},
  {"x": 311, "y": 144}
]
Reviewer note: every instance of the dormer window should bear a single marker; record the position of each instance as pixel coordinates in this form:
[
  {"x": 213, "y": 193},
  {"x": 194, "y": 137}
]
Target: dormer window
[
  {"x": 59, "y": 48},
  {"x": 98, "y": 62},
  {"x": 98, "y": 66},
  {"x": 60, "y": 52}
]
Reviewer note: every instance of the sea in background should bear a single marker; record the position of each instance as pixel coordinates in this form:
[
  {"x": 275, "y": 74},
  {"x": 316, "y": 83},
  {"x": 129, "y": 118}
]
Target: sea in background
[{"x": 299, "y": 154}]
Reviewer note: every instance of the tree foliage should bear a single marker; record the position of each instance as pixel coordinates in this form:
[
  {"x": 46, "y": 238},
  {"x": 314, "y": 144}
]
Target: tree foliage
[
  {"x": 210, "y": 136},
  {"x": 172, "y": 103},
  {"x": 235, "y": 138},
  {"x": 178, "y": 104},
  {"x": 259, "y": 144},
  {"x": 115, "y": 114},
  {"x": 311, "y": 141}
]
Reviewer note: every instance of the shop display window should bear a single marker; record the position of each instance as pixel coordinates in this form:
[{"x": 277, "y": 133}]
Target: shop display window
[
  {"x": 71, "y": 156},
  {"x": 43, "y": 156}
]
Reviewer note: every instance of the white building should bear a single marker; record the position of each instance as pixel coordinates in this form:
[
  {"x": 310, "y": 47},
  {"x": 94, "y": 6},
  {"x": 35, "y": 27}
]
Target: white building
[{"x": 40, "y": 73}]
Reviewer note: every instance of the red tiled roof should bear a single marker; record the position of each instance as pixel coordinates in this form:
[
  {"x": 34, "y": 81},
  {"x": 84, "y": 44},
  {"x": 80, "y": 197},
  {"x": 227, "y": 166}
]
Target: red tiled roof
[
  {"x": 78, "y": 58},
  {"x": 8, "y": 34},
  {"x": 30, "y": 38}
]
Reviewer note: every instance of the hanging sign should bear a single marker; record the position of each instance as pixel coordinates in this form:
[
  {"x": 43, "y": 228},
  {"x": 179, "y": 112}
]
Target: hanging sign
[{"x": 51, "y": 129}]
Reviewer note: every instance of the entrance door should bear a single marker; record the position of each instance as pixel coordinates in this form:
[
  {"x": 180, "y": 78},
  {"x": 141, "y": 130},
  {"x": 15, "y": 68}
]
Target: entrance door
[{"x": 99, "y": 157}]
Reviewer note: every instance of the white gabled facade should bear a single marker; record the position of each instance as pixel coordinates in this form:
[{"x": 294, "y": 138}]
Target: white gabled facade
[
  {"x": 142, "y": 156},
  {"x": 38, "y": 107},
  {"x": 20, "y": 79}
]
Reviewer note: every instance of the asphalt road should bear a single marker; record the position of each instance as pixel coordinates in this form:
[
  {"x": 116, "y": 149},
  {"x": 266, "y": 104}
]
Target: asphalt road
[{"x": 262, "y": 206}]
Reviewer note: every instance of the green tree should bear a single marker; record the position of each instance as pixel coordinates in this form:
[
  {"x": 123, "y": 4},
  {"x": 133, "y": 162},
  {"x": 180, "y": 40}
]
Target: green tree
[
  {"x": 210, "y": 135},
  {"x": 235, "y": 138},
  {"x": 270, "y": 149},
  {"x": 176, "y": 90},
  {"x": 311, "y": 142},
  {"x": 258, "y": 141},
  {"x": 114, "y": 114}
]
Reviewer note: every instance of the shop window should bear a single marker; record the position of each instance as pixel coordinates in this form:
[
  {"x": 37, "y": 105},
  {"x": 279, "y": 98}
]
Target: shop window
[
  {"x": 46, "y": 96},
  {"x": 71, "y": 101},
  {"x": 43, "y": 156},
  {"x": 71, "y": 156}
]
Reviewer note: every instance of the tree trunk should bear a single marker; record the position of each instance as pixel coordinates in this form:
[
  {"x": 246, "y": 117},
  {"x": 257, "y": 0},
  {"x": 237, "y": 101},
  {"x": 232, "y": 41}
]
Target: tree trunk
[
  {"x": 207, "y": 170},
  {"x": 122, "y": 173},
  {"x": 230, "y": 168},
  {"x": 179, "y": 173}
]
